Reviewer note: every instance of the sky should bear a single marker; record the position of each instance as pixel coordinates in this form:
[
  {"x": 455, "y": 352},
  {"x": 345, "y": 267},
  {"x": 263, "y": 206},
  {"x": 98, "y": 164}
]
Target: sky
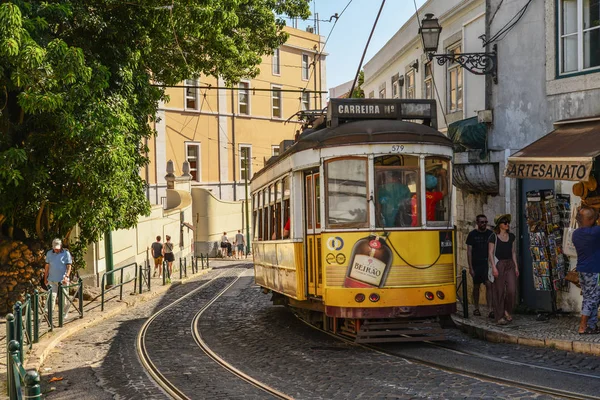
[{"x": 349, "y": 36}]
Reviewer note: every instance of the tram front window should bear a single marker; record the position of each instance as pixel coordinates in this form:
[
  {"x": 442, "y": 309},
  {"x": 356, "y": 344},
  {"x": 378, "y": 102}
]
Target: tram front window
[
  {"x": 436, "y": 196},
  {"x": 396, "y": 191},
  {"x": 347, "y": 193}
]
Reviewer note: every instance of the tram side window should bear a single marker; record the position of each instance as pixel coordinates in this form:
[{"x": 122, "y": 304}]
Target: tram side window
[
  {"x": 286, "y": 207},
  {"x": 436, "y": 196},
  {"x": 346, "y": 192},
  {"x": 255, "y": 216},
  {"x": 396, "y": 191},
  {"x": 265, "y": 215},
  {"x": 276, "y": 210}
]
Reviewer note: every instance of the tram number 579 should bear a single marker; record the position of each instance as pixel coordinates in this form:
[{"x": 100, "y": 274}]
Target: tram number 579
[{"x": 397, "y": 148}]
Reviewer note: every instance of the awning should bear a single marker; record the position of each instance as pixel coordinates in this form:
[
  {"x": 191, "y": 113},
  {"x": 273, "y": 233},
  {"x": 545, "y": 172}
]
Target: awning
[
  {"x": 468, "y": 133},
  {"x": 567, "y": 153}
]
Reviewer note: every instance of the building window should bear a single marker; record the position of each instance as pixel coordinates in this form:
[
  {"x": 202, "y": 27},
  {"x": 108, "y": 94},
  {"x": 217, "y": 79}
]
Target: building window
[
  {"x": 274, "y": 150},
  {"x": 244, "y": 98},
  {"x": 372, "y": 94},
  {"x": 410, "y": 84},
  {"x": 455, "y": 94},
  {"x": 276, "y": 63},
  {"x": 191, "y": 94},
  {"x": 305, "y": 67},
  {"x": 428, "y": 82},
  {"x": 276, "y": 101},
  {"x": 193, "y": 158},
  {"x": 579, "y": 35},
  {"x": 245, "y": 162},
  {"x": 395, "y": 86},
  {"x": 305, "y": 101},
  {"x": 382, "y": 91}
]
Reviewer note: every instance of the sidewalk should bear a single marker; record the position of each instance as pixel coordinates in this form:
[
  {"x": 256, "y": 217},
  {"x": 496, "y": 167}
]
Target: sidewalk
[
  {"x": 558, "y": 332},
  {"x": 92, "y": 315}
]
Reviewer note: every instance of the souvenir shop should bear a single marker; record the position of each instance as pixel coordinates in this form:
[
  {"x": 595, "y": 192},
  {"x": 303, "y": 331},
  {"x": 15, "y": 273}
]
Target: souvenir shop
[{"x": 556, "y": 174}]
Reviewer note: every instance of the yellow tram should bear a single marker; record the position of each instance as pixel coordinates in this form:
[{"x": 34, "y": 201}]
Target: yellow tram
[{"x": 352, "y": 223}]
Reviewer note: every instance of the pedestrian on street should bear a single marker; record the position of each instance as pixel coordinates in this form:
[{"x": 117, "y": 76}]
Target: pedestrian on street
[
  {"x": 58, "y": 269},
  {"x": 586, "y": 239},
  {"x": 503, "y": 257},
  {"x": 240, "y": 242},
  {"x": 477, "y": 258},
  {"x": 158, "y": 256},
  {"x": 167, "y": 251},
  {"x": 225, "y": 246}
]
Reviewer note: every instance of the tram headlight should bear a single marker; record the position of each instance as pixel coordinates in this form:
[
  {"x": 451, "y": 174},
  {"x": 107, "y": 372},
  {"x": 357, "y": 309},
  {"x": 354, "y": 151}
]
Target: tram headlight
[
  {"x": 429, "y": 295},
  {"x": 440, "y": 295},
  {"x": 359, "y": 298},
  {"x": 374, "y": 297}
]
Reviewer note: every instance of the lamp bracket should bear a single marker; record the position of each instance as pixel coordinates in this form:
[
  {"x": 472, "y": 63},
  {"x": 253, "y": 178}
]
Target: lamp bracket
[{"x": 476, "y": 63}]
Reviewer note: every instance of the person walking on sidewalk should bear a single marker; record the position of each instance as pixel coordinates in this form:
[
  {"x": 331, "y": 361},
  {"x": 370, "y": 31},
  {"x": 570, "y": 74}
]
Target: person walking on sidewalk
[
  {"x": 158, "y": 256},
  {"x": 477, "y": 257},
  {"x": 240, "y": 242},
  {"x": 169, "y": 256},
  {"x": 58, "y": 269},
  {"x": 586, "y": 239},
  {"x": 503, "y": 257},
  {"x": 225, "y": 246}
]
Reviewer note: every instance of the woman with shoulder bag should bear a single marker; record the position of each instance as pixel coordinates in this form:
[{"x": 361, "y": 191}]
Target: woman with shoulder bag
[{"x": 503, "y": 259}]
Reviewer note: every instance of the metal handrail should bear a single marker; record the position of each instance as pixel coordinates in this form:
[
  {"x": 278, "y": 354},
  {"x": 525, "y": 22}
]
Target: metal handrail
[
  {"x": 120, "y": 285},
  {"x": 16, "y": 374},
  {"x": 63, "y": 290},
  {"x": 144, "y": 276}
]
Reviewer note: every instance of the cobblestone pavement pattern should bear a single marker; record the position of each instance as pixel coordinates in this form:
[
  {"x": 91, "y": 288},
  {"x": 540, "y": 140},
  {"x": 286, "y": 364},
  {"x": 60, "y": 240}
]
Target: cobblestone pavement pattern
[
  {"x": 274, "y": 347},
  {"x": 265, "y": 341}
]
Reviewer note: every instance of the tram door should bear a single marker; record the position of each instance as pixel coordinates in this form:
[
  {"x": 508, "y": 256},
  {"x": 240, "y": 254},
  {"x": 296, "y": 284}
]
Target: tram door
[{"x": 313, "y": 233}]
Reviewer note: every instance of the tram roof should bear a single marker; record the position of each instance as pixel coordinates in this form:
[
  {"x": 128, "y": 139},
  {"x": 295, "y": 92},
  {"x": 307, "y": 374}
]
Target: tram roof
[
  {"x": 364, "y": 132},
  {"x": 370, "y": 131}
]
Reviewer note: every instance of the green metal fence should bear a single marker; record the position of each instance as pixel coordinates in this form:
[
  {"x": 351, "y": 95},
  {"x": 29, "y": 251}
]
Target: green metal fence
[
  {"x": 21, "y": 384},
  {"x": 121, "y": 270}
]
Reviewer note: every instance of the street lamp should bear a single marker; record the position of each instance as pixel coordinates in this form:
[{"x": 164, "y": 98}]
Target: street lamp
[{"x": 476, "y": 63}]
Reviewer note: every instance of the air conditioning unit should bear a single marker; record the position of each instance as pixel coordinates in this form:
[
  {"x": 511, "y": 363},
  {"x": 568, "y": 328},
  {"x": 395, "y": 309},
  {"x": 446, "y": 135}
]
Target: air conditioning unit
[{"x": 310, "y": 29}]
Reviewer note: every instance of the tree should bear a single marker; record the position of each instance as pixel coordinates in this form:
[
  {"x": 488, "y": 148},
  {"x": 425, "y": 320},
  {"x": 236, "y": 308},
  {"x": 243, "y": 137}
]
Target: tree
[
  {"x": 358, "y": 92},
  {"x": 78, "y": 90}
]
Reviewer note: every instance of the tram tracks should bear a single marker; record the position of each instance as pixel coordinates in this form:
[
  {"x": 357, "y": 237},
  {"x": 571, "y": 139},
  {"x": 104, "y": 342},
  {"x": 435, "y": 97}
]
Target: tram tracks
[
  {"x": 478, "y": 375},
  {"x": 162, "y": 380}
]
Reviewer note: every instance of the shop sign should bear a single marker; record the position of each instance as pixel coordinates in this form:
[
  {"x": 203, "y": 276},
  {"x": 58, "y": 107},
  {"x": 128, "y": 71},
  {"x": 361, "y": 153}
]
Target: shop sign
[{"x": 547, "y": 169}]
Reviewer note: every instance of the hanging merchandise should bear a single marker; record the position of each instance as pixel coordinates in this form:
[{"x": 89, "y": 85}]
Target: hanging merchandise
[{"x": 547, "y": 215}]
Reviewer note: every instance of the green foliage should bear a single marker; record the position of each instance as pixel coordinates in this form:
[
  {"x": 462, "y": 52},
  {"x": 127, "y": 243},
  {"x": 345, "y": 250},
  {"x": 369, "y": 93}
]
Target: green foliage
[
  {"x": 77, "y": 96},
  {"x": 359, "y": 92}
]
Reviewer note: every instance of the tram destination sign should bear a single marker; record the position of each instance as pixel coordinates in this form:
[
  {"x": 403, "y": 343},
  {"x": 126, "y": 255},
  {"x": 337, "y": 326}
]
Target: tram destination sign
[
  {"x": 357, "y": 109},
  {"x": 565, "y": 170}
]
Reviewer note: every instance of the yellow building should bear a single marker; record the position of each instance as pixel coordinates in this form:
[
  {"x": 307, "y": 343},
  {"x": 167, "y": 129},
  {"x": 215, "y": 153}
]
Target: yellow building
[{"x": 227, "y": 135}]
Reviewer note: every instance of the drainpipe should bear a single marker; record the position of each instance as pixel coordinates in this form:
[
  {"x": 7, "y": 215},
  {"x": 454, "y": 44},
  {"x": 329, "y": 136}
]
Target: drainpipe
[
  {"x": 108, "y": 255},
  {"x": 233, "y": 143}
]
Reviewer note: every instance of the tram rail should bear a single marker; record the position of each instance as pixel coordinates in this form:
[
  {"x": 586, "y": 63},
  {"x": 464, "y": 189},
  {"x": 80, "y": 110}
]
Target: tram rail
[
  {"x": 477, "y": 375},
  {"x": 170, "y": 388}
]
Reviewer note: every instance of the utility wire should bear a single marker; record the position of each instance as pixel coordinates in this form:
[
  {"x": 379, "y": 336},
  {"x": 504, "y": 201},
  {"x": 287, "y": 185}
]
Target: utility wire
[
  {"x": 508, "y": 26},
  {"x": 437, "y": 93},
  {"x": 365, "y": 50}
]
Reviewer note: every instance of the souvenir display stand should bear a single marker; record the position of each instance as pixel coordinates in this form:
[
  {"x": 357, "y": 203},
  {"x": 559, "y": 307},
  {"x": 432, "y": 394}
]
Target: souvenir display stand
[{"x": 547, "y": 215}]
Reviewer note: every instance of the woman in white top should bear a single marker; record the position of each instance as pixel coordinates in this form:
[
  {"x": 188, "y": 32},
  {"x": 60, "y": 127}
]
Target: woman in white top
[{"x": 225, "y": 246}]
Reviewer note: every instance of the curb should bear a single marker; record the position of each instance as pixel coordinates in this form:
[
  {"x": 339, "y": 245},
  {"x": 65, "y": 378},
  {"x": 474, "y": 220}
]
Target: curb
[
  {"x": 36, "y": 357},
  {"x": 496, "y": 336}
]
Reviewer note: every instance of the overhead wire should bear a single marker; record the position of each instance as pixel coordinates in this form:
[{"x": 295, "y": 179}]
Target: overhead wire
[
  {"x": 319, "y": 55},
  {"x": 501, "y": 34},
  {"x": 437, "y": 93}
]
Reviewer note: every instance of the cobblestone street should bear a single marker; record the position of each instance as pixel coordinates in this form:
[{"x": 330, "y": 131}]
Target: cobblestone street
[{"x": 270, "y": 344}]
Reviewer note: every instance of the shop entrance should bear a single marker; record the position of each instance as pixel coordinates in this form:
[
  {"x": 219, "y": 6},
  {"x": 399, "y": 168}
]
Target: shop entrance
[{"x": 534, "y": 299}]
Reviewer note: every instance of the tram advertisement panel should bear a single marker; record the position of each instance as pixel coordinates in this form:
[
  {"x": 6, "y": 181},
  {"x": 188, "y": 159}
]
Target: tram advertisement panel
[{"x": 395, "y": 259}]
